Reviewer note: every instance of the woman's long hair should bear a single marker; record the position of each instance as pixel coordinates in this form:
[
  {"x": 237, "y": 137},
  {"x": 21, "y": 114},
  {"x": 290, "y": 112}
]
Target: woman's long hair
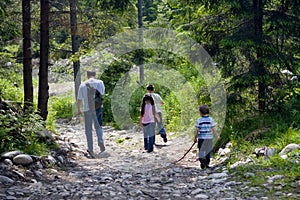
[{"x": 147, "y": 98}]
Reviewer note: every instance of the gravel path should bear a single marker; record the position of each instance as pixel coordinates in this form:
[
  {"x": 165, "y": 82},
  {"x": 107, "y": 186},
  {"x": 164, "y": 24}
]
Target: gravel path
[{"x": 126, "y": 171}]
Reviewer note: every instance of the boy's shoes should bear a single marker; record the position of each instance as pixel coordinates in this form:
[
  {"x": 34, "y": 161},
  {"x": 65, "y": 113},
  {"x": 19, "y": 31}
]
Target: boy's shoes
[
  {"x": 91, "y": 153},
  {"x": 202, "y": 163},
  {"x": 202, "y": 166},
  {"x": 207, "y": 165},
  {"x": 207, "y": 161},
  {"x": 102, "y": 147}
]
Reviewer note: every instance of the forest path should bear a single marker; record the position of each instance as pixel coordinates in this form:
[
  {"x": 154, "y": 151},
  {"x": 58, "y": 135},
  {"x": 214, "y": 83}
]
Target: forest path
[{"x": 126, "y": 172}]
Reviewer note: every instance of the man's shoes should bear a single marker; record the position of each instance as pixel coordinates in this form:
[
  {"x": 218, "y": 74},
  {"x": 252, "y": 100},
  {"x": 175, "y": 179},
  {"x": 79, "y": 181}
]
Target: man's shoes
[
  {"x": 165, "y": 139},
  {"x": 91, "y": 153},
  {"x": 163, "y": 134},
  {"x": 102, "y": 147}
]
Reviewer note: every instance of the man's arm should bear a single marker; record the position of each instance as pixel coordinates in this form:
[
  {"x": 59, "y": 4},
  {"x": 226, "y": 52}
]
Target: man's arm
[
  {"x": 79, "y": 105},
  {"x": 100, "y": 87}
]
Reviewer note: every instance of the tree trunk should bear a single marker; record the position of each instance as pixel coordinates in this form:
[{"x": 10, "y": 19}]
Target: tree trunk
[
  {"x": 140, "y": 32},
  {"x": 27, "y": 57},
  {"x": 75, "y": 45},
  {"x": 43, "y": 94},
  {"x": 260, "y": 69}
]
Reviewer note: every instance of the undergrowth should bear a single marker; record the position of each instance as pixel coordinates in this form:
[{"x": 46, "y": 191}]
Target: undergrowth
[{"x": 272, "y": 130}]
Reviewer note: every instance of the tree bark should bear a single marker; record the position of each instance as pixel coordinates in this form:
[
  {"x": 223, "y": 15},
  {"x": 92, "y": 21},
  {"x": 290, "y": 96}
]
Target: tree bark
[
  {"x": 260, "y": 68},
  {"x": 43, "y": 94},
  {"x": 75, "y": 45},
  {"x": 27, "y": 55},
  {"x": 140, "y": 32}
]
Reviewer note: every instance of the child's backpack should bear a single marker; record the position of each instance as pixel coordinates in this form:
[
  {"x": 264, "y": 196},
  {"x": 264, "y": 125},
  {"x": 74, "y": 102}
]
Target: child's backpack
[{"x": 95, "y": 99}]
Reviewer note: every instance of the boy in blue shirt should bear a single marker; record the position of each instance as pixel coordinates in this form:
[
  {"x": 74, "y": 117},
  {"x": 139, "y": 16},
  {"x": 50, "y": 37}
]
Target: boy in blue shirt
[{"x": 205, "y": 130}]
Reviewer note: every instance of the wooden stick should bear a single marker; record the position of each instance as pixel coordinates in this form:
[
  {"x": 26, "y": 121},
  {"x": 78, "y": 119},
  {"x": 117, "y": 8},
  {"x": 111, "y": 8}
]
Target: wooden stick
[{"x": 185, "y": 153}]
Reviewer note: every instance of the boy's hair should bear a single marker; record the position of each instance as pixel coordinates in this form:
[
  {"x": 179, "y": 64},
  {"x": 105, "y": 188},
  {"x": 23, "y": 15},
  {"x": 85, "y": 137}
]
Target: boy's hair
[
  {"x": 150, "y": 87},
  {"x": 204, "y": 109}
]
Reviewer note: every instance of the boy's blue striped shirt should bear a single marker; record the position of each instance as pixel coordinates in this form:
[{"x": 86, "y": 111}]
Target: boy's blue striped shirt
[{"x": 205, "y": 125}]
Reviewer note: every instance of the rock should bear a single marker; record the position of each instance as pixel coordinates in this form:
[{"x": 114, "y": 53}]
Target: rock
[
  {"x": 22, "y": 159},
  {"x": 249, "y": 174},
  {"x": 274, "y": 178},
  {"x": 238, "y": 163},
  {"x": 196, "y": 191},
  {"x": 217, "y": 175},
  {"x": 228, "y": 145},
  {"x": 289, "y": 148},
  {"x": 10, "y": 198},
  {"x": 265, "y": 152},
  {"x": 61, "y": 159},
  {"x": 284, "y": 157},
  {"x": 223, "y": 152},
  {"x": 10, "y": 155},
  {"x": 201, "y": 196},
  {"x": 8, "y": 162},
  {"x": 270, "y": 152},
  {"x": 51, "y": 160},
  {"x": 6, "y": 180}
]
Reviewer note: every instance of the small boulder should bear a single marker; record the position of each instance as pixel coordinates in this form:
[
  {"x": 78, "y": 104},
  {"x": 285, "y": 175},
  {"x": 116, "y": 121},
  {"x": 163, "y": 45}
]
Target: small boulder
[
  {"x": 9, "y": 155},
  {"x": 22, "y": 159},
  {"x": 6, "y": 180},
  {"x": 289, "y": 148}
]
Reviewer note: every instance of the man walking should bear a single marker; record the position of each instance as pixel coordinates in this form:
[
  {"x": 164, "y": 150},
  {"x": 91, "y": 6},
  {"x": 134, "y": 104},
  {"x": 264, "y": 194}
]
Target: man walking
[
  {"x": 158, "y": 105},
  {"x": 91, "y": 116}
]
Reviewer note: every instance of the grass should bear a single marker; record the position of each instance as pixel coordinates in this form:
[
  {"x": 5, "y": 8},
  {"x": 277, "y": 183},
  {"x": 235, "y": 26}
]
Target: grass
[
  {"x": 266, "y": 171},
  {"x": 59, "y": 108},
  {"x": 272, "y": 131}
]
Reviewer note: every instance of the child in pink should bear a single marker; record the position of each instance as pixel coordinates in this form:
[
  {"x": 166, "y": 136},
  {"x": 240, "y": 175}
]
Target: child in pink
[{"x": 147, "y": 121}]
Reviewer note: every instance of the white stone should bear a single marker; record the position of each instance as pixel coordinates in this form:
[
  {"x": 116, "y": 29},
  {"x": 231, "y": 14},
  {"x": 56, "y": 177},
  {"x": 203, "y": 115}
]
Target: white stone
[
  {"x": 201, "y": 196},
  {"x": 217, "y": 175},
  {"x": 289, "y": 148},
  {"x": 284, "y": 157},
  {"x": 196, "y": 191},
  {"x": 23, "y": 159}
]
